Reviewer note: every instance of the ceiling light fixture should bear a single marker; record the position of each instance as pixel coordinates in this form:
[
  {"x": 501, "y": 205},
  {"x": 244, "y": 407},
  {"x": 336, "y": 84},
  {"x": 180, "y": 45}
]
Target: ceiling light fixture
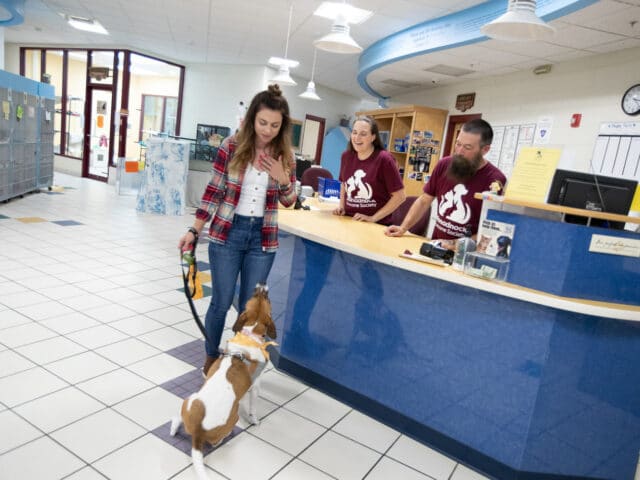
[
  {"x": 519, "y": 23},
  {"x": 86, "y": 24},
  {"x": 342, "y": 14},
  {"x": 310, "y": 92},
  {"x": 353, "y": 15},
  {"x": 283, "y": 77}
]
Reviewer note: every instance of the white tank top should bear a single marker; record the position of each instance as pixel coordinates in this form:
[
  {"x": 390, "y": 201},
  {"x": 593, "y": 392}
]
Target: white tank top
[{"x": 253, "y": 195}]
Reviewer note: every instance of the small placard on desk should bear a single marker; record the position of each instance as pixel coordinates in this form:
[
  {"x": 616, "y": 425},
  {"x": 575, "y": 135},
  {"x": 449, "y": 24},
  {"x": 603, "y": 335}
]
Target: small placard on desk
[{"x": 627, "y": 247}]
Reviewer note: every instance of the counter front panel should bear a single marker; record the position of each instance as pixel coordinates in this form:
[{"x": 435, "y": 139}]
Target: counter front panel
[
  {"x": 513, "y": 388},
  {"x": 554, "y": 257}
]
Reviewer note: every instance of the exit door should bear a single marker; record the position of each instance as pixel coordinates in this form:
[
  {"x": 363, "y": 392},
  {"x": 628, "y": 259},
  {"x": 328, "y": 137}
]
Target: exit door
[{"x": 98, "y": 125}]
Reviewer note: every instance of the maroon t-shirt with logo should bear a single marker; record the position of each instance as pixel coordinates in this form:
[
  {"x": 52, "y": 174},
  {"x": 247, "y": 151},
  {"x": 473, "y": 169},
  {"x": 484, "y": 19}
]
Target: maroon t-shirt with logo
[
  {"x": 368, "y": 184},
  {"x": 457, "y": 207}
]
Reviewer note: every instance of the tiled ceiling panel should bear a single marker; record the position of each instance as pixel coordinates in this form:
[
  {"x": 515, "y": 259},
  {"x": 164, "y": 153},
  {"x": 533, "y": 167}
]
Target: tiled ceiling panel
[{"x": 248, "y": 32}]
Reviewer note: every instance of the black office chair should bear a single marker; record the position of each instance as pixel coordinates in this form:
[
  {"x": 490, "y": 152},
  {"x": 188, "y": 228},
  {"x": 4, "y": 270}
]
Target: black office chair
[
  {"x": 311, "y": 175},
  {"x": 420, "y": 228}
]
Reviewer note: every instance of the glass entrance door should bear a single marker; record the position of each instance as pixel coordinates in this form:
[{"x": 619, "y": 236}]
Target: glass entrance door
[{"x": 98, "y": 138}]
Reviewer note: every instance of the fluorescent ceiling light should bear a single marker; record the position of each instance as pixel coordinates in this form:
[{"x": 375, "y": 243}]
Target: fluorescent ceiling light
[
  {"x": 449, "y": 70},
  {"x": 350, "y": 14},
  {"x": 519, "y": 23},
  {"x": 86, "y": 24},
  {"x": 279, "y": 61}
]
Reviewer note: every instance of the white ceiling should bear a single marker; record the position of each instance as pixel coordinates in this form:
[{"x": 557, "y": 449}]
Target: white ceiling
[{"x": 249, "y": 32}]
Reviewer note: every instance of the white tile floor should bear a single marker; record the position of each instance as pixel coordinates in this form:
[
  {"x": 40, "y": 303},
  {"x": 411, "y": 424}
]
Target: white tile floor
[{"x": 87, "y": 314}]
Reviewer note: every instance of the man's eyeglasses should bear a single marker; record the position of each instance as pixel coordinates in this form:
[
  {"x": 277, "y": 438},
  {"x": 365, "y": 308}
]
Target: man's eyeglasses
[{"x": 467, "y": 146}]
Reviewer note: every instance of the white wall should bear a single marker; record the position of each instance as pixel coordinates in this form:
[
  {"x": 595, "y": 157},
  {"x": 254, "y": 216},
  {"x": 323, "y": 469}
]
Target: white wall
[
  {"x": 12, "y": 58},
  {"x": 213, "y": 91},
  {"x": 592, "y": 86}
]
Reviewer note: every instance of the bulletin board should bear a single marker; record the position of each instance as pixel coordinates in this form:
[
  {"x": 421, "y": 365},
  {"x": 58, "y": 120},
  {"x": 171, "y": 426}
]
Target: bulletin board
[
  {"x": 617, "y": 150},
  {"x": 506, "y": 145}
]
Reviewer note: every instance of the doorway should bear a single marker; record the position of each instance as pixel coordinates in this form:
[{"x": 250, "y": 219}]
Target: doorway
[
  {"x": 98, "y": 123},
  {"x": 312, "y": 138}
]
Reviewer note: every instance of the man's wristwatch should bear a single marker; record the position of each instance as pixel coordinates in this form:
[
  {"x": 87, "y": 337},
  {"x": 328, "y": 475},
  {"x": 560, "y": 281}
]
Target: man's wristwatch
[{"x": 194, "y": 232}]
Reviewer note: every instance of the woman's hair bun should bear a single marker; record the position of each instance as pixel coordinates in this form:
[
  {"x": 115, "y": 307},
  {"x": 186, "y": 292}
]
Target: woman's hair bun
[{"x": 274, "y": 90}]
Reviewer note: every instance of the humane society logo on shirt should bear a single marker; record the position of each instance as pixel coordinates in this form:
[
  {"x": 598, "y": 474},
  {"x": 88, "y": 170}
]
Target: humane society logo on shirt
[
  {"x": 459, "y": 211},
  {"x": 359, "y": 191},
  {"x": 452, "y": 208}
]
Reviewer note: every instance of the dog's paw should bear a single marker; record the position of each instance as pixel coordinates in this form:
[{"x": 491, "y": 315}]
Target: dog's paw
[
  {"x": 253, "y": 419},
  {"x": 175, "y": 425}
]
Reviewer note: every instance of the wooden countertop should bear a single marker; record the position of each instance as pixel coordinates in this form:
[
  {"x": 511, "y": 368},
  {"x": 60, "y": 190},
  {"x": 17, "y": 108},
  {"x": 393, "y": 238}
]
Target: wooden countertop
[
  {"x": 549, "y": 207},
  {"x": 369, "y": 241}
]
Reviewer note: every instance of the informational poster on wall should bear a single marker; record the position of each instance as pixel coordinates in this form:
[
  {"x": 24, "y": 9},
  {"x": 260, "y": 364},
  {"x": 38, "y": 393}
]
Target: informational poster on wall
[
  {"x": 506, "y": 145},
  {"x": 543, "y": 131},
  {"x": 496, "y": 146},
  {"x": 532, "y": 173},
  {"x": 617, "y": 150}
]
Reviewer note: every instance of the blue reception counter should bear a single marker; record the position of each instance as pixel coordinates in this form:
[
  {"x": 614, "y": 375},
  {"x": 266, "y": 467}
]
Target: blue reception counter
[{"x": 513, "y": 382}]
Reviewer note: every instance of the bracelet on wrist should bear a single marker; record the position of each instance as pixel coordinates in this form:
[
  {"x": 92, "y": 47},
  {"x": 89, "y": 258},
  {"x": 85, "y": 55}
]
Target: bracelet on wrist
[{"x": 194, "y": 232}]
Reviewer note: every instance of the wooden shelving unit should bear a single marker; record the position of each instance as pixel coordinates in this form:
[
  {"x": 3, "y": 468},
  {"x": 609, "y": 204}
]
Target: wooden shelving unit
[{"x": 419, "y": 153}]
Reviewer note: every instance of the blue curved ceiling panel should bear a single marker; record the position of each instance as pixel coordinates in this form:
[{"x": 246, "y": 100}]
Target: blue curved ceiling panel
[
  {"x": 454, "y": 30},
  {"x": 11, "y": 12}
]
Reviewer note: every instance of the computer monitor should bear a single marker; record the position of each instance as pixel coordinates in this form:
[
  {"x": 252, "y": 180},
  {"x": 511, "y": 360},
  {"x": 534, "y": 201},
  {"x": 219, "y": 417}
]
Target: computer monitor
[{"x": 592, "y": 192}]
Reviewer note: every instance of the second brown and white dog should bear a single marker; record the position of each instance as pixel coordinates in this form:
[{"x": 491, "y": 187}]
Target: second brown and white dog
[{"x": 210, "y": 414}]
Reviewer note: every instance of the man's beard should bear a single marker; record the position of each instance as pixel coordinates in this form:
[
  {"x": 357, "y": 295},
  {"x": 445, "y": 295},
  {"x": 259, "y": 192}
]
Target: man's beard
[{"x": 461, "y": 169}]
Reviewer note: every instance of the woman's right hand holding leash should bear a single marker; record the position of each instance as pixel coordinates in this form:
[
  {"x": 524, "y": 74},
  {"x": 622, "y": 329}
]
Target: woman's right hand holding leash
[{"x": 188, "y": 239}]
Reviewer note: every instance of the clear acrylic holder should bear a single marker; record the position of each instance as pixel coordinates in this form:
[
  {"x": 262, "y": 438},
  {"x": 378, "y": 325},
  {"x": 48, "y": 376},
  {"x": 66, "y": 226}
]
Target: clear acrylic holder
[{"x": 486, "y": 266}]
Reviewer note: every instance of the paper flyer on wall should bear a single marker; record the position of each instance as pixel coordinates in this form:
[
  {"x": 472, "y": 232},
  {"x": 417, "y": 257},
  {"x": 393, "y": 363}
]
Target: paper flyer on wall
[{"x": 495, "y": 238}]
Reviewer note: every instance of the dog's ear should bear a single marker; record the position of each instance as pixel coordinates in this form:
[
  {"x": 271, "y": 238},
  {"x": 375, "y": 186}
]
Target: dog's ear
[
  {"x": 240, "y": 321},
  {"x": 271, "y": 328}
]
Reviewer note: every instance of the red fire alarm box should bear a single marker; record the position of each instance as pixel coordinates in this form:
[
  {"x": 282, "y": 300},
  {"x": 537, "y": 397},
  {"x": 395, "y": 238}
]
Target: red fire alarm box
[{"x": 575, "y": 120}]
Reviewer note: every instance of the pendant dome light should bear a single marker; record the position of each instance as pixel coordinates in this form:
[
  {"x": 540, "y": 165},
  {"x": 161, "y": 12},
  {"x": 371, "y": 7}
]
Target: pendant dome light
[
  {"x": 283, "y": 77},
  {"x": 519, "y": 23},
  {"x": 342, "y": 14},
  {"x": 310, "y": 92}
]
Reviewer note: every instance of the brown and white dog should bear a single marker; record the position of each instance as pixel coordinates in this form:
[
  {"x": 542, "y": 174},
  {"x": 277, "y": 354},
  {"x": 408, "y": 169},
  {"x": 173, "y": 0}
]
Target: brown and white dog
[{"x": 210, "y": 414}]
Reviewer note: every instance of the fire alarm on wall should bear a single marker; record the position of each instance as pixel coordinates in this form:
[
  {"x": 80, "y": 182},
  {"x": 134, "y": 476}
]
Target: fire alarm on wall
[{"x": 575, "y": 120}]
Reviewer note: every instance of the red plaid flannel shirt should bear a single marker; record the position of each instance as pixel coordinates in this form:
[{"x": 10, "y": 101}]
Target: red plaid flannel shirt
[{"x": 222, "y": 194}]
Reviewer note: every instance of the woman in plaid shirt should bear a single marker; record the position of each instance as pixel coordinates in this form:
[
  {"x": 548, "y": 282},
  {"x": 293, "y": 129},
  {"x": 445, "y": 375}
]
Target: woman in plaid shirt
[{"x": 253, "y": 171}]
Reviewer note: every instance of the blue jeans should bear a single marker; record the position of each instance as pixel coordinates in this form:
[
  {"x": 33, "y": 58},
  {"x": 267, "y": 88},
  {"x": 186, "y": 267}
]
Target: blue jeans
[{"x": 242, "y": 255}]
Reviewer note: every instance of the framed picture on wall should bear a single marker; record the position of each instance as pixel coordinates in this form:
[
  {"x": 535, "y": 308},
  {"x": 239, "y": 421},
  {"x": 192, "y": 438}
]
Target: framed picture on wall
[{"x": 211, "y": 135}]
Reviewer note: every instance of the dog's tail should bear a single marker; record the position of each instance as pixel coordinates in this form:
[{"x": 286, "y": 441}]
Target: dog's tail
[
  {"x": 198, "y": 464},
  {"x": 194, "y": 427}
]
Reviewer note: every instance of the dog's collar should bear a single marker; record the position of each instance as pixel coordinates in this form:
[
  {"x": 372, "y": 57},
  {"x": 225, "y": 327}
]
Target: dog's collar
[
  {"x": 239, "y": 356},
  {"x": 245, "y": 340}
]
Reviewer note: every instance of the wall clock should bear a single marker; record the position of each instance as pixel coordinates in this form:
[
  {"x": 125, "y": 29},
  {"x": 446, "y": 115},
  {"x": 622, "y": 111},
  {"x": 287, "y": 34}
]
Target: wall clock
[{"x": 631, "y": 100}]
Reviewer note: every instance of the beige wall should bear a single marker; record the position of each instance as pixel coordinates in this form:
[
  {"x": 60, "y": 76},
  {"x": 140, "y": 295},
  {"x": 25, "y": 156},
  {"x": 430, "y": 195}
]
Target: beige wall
[{"x": 592, "y": 86}]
